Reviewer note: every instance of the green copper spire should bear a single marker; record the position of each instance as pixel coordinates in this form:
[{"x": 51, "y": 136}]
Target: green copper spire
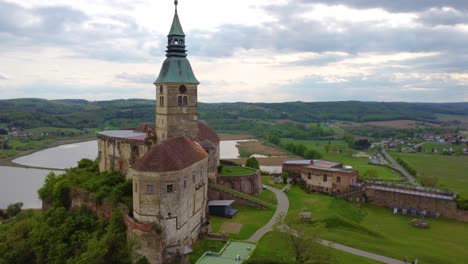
[
  {"x": 176, "y": 28},
  {"x": 176, "y": 68}
]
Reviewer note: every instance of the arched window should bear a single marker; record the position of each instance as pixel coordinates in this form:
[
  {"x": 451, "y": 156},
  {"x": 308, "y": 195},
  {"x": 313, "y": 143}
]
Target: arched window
[
  {"x": 161, "y": 100},
  {"x": 185, "y": 100},
  {"x": 179, "y": 100},
  {"x": 161, "y": 89},
  {"x": 176, "y": 42}
]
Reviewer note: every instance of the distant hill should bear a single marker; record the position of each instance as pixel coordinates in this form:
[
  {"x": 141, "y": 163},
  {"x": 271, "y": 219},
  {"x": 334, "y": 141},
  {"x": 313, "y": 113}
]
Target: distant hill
[{"x": 33, "y": 113}]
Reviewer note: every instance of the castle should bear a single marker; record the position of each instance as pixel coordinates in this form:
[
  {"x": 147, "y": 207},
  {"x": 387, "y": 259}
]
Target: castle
[{"x": 170, "y": 165}]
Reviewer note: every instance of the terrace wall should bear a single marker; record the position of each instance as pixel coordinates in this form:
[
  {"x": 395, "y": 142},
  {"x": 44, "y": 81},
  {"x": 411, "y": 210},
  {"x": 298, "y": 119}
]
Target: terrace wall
[
  {"x": 446, "y": 208},
  {"x": 248, "y": 184}
]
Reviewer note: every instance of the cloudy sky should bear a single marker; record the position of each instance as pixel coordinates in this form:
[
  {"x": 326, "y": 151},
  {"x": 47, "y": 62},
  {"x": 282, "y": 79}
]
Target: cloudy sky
[{"x": 242, "y": 50}]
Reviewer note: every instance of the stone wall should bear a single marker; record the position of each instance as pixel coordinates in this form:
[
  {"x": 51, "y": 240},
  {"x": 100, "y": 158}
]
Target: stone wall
[
  {"x": 119, "y": 154},
  {"x": 446, "y": 208},
  {"x": 248, "y": 184},
  {"x": 182, "y": 211}
]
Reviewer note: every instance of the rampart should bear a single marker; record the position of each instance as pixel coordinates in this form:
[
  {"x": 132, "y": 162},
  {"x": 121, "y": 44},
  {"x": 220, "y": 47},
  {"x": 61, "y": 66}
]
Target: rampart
[{"x": 433, "y": 203}]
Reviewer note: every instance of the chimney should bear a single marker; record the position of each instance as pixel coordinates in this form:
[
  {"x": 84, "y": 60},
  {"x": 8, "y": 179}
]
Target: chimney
[{"x": 311, "y": 162}]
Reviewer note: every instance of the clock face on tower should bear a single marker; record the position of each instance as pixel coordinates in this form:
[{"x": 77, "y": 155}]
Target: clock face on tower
[{"x": 182, "y": 89}]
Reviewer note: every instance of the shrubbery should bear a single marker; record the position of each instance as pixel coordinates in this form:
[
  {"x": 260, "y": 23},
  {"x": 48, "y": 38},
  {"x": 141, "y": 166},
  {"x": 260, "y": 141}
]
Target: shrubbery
[{"x": 407, "y": 167}]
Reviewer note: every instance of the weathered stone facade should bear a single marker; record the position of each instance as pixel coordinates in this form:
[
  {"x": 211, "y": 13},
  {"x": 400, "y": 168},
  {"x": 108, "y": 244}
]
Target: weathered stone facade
[
  {"x": 176, "y": 112},
  {"x": 118, "y": 154},
  {"x": 248, "y": 184},
  {"x": 445, "y": 207},
  {"x": 176, "y": 201}
]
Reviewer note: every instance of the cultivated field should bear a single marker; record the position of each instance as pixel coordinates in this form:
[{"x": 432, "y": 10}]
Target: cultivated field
[
  {"x": 402, "y": 124},
  {"x": 452, "y": 171}
]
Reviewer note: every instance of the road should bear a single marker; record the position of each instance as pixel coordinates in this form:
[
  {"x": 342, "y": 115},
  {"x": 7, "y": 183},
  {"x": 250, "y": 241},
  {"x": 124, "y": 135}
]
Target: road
[
  {"x": 400, "y": 169},
  {"x": 282, "y": 208}
]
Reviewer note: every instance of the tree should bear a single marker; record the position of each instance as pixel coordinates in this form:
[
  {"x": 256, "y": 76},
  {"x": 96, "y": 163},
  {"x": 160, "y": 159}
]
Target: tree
[
  {"x": 252, "y": 162},
  {"x": 327, "y": 147},
  {"x": 285, "y": 176},
  {"x": 312, "y": 154},
  {"x": 305, "y": 239},
  {"x": 14, "y": 209}
]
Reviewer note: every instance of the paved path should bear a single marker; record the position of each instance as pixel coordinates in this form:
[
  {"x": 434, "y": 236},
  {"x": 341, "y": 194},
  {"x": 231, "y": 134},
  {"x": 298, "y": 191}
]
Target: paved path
[
  {"x": 400, "y": 169},
  {"x": 361, "y": 253},
  {"x": 283, "y": 205}
]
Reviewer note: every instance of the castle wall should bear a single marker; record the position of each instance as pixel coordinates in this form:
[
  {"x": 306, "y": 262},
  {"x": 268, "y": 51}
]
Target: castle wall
[
  {"x": 180, "y": 213},
  {"x": 446, "y": 208},
  {"x": 248, "y": 184},
  {"x": 119, "y": 155}
]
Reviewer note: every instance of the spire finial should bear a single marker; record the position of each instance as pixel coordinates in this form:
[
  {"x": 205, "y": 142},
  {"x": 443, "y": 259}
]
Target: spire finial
[{"x": 175, "y": 4}]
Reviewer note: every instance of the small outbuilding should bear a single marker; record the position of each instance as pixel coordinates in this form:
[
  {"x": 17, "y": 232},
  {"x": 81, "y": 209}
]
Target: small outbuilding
[{"x": 222, "y": 208}]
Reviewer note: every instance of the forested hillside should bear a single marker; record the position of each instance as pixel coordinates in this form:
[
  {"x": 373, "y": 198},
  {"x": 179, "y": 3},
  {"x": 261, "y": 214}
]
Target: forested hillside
[{"x": 32, "y": 113}]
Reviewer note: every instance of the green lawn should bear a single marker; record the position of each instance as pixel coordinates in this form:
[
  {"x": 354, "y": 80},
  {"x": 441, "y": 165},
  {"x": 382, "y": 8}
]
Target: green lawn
[
  {"x": 452, "y": 171},
  {"x": 377, "y": 230},
  {"x": 236, "y": 171},
  {"x": 274, "y": 246},
  {"x": 361, "y": 164},
  {"x": 268, "y": 180},
  {"x": 251, "y": 219},
  {"x": 267, "y": 196}
]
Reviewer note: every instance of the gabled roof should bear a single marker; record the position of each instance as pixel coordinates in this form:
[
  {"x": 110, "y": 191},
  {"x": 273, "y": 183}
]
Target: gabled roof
[{"x": 171, "y": 155}]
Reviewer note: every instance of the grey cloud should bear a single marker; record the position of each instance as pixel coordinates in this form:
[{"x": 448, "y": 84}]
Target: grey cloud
[
  {"x": 443, "y": 16},
  {"x": 2, "y": 77},
  {"x": 71, "y": 28},
  {"x": 137, "y": 78},
  {"x": 395, "y": 5}
]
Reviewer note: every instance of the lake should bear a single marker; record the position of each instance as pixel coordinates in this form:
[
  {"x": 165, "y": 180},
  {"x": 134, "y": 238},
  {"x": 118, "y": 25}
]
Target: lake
[{"x": 21, "y": 185}]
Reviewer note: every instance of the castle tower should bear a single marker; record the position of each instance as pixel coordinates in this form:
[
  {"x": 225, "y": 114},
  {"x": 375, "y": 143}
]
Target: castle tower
[{"x": 176, "y": 89}]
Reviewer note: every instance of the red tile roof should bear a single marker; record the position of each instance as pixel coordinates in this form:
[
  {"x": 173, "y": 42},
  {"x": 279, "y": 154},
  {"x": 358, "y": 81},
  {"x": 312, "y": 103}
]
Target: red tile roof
[
  {"x": 173, "y": 154},
  {"x": 207, "y": 133}
]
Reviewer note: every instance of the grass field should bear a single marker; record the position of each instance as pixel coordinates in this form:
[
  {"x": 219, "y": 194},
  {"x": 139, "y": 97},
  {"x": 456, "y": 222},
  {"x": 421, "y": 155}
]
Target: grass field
[
  {"x": 428, "y": 146},
  {"x": 267, "y": 196},
  {"x": 236, "y": 171},
  {"x": 274, "y": 246},
  {"x": 358, "y": 163},
  {"x": 250, "y": 218},
  {"x": 377, "y": 230},
  {"x": 452, "y": 171}
]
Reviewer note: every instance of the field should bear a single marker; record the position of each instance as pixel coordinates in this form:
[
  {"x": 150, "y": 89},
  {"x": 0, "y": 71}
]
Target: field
[
  {"x": 377, "y": 230},
  {"x": 250, "y": 218},
  {"x": 248, "y": 148},
  {"x": 401, "y": 124},
  {"x": 345, "y": 156},
  {"x": 452, "y": 171},
  {"x": 428, "y": 146}
]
